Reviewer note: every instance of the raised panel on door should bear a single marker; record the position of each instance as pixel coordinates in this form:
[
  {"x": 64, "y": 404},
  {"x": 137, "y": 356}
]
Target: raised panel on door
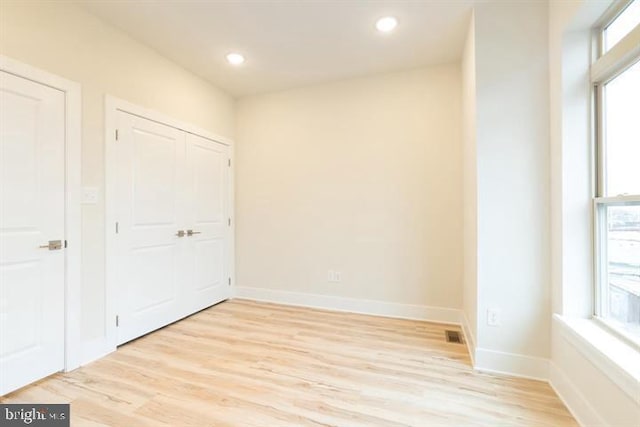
[
  {"x": 207, "y": 215},
  {"x": 32, "y": 137},
  {"x": 150, "y": 212}
]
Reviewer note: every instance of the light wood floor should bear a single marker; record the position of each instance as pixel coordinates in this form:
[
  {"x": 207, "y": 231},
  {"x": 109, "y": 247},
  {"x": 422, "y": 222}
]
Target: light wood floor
[{"x": 243, "y": 363}]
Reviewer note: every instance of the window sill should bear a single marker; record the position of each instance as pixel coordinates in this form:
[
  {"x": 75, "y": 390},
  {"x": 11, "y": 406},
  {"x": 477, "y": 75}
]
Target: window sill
[{"x": 614, "y": 357}]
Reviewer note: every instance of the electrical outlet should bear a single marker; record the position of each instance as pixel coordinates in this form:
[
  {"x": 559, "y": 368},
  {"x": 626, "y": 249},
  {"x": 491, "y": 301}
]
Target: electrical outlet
[
  {"x": 493, "y": 317},
  {"x": 90, "y": 195},
  {"x": 333, "y": 276}
]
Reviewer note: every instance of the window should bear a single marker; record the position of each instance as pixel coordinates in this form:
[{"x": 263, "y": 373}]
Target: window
[
  {"x": 621, "y": 25},
  {"x": 616, "y": 79},
  {"x": 621, "y": 139},
  {"x": 616, "y": 82}
]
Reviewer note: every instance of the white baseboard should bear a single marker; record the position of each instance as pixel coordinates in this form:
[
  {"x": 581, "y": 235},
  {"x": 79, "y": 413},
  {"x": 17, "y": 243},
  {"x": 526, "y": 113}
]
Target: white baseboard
[
  {"x": 469, "y": 338},
  {"x": 95, "y": 349},
  {"x": 483, "y": 360},
  {"x": 516, "y": 365},
  {"x": 498, "y": 362},
  {"x": 352, "y": 305},
  {"x": 572, "y": 398}
]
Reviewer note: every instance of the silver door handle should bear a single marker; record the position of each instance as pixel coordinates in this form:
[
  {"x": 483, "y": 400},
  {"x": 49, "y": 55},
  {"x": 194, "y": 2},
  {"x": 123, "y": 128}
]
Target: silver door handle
[
  {"x": 180, "y": 233},
  {"x": 53, "y": 245},
  {"x": 191, "y": 232}
]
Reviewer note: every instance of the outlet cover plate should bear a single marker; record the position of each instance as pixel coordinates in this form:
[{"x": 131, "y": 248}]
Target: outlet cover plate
[
  {"x": 90, "y": 195},
  {"x": 494, "y": 317}
]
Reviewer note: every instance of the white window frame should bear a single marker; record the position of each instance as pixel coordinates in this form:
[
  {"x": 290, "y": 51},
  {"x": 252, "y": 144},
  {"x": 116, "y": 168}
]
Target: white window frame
[{"x": 605, "y": 67}]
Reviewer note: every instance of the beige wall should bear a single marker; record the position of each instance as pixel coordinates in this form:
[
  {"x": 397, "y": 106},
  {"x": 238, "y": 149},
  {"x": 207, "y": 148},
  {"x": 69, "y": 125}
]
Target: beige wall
[
  {"x": 66, "y": 41},
  {"x": 360, "y": 176}
]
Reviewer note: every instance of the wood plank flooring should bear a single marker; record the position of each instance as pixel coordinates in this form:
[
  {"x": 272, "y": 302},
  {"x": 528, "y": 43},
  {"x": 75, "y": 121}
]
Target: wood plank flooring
[{"x": 244, "y": 363}]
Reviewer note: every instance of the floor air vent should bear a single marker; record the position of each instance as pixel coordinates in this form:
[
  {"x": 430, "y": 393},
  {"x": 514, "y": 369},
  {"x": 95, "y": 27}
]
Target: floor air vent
[{"x": 453, "y": 336}]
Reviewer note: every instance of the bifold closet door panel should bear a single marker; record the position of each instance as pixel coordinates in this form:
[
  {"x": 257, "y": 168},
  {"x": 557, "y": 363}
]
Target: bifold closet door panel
[
  {"x": 150, "y": 201},
  {"x": 207, "y": 216}
]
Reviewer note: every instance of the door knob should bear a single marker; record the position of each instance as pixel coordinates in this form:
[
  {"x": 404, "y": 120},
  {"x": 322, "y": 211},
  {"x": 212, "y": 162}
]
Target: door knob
[
  {"x": 180, "y": 233},
  {"x": 53, "y": 245},
  {"x": 191, "y": 232}
]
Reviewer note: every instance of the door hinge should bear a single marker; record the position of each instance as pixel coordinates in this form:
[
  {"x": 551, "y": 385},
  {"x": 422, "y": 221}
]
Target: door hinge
[
  {"x": 117, "y": 321},
  {"x": 229, "y": 162},
  {"x": 229, "y": 281},
  {"x": 229, "y": 222},
  {"x": 65, "y": 244},
  {"x": 117, "y": 227},
  {"x": 117, "y": 134}
]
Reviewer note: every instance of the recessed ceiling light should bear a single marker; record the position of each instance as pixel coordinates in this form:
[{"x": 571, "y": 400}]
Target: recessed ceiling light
[
  {"x": 235, "y": 59},
  {"x": 386, "y": 24}
]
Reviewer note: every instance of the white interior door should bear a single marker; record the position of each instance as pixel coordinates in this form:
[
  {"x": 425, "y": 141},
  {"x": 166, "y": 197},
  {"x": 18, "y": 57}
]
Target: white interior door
[
  {"x": 150, "y": 212},
  {"x": 32, "y": 194},
  {"x": 207, "y": 216}
]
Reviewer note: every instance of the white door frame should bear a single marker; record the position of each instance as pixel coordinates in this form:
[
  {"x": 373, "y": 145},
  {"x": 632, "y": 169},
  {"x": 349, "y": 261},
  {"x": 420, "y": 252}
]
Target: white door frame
[
  {"x": 112, "y": 106},
  {"x": 72, "y": 207}
]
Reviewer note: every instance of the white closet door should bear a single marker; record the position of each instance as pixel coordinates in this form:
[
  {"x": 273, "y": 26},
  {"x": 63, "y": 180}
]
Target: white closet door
[
  {"x": 150, "y": 211},
  {"x": 172, "y": 245},
  {"x": 207, "y": 217},
  {"x": 32, "y": 132}
]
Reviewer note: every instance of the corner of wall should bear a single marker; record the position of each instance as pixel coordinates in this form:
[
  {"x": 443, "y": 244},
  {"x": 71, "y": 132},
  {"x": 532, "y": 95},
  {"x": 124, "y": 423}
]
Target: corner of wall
[
  {"x": 469, "y": 337},
  {"x": 469, "y": 190}
]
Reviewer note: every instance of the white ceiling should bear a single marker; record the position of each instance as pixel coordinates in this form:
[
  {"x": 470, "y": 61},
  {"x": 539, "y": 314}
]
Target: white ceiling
[{"x": 291, "y": 43}]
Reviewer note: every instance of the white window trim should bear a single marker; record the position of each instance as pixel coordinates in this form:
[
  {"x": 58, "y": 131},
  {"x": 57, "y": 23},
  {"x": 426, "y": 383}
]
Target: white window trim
[
  {"x": 617, "y": 59},
  {"x": 612, "y": 356},
  {"x": 610, "y": 15}
]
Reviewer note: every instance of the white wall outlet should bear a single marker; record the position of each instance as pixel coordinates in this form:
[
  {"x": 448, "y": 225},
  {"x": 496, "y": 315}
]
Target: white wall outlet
[
  {"x": 333, "y": 276},
  {"x": 90, "y": 195},
  {"x": 493, "y": 317}
]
